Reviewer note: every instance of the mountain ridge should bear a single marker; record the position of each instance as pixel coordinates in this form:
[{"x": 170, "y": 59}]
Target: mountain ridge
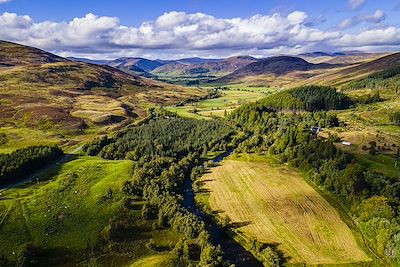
[{"x": 277, "y": 66}]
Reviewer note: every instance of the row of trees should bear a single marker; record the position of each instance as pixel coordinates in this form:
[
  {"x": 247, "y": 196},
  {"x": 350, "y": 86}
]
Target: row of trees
[
  {"x": 372, "y": 197},
  {"x": 22, "y": 162},
  {"x": 307, "y": 98}
]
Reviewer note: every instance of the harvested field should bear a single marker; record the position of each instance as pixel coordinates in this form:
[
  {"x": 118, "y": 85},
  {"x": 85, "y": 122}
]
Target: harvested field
[{"x": 276, "y": 206}]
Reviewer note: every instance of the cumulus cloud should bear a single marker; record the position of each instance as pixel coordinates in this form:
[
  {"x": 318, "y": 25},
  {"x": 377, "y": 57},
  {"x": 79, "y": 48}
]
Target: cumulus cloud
[
  {"x": 377, "y": 17},
  {"x": 176, "y": 34},
  {"x": 355, "y": 4}
]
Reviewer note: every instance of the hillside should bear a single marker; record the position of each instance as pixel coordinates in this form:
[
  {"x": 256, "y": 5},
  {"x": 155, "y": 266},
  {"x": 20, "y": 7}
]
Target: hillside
[
  {"x": 196, "y": 60},
  {"x": 132, "y": 63},
  {"x": 171, "y": 68},
  {"x": 12, "y": 55},
  {"x": 343, "y": 58},
  {"x": 88, "y": 60},
  {"x": 47, "y": 93},
  {"x": 355, "y": 58},
  {"x": 342, "y": 76},
  {"x": 276, "y": 66},
  {"x": 213, "y": 67}
]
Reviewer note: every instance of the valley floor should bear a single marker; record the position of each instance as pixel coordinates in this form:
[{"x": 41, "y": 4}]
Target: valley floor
[{"x": 274, "y": 205}]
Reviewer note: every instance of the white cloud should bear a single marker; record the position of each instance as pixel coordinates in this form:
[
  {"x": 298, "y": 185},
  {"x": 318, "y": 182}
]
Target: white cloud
[
  {"x": 355, "y": 4},
  {"x": 4, "y": 1},
  {"x": 297, "y": 17},
  {"x": 377, "y": 37},
  {"x": 377, "y": 17},
  {"x": 176, "y": 34}
]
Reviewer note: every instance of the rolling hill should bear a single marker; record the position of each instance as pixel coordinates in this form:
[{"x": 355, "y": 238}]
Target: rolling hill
[
  {"x": 136, "y": 66},
  {"x": 210, "y": 67},
  {"x": 45, "y": 92},
  {"x": 134, "y": 63},
  {"x": 342, "y": 76},
  {"x": 277, "y": 66},
  {"x": 343, "y": 58},
  {"x": 12, "y": 55}
]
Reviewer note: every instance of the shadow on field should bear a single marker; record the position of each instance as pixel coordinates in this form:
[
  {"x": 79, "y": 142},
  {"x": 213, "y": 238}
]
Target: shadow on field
[
  {"x": 46, "y": 173},
  {"x": 239, "y": 224},
  {"x": 203, "y": 190}
]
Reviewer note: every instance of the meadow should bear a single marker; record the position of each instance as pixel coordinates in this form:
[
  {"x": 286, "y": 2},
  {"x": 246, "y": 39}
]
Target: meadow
[
  {"x": 274, "y": 205},
  {"x": 231, "y": 98},
  {"x": 65, "y": 211},
  {"x": 153, "y": 261}
]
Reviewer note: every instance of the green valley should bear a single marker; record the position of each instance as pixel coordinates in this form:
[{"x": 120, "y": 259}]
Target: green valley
[{"x": 237, "y": 161}]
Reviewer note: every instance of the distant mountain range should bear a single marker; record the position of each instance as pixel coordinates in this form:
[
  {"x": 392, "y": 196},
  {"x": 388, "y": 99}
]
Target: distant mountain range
[
  {"x": 234, "y": 69},
  {"x": 209, "y": 67},
  {"x": 322, "y": 54},
  {"x": 185, "y": 66}
]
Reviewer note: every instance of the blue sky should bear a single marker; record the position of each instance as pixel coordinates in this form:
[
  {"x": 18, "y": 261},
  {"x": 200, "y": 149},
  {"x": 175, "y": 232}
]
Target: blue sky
[
  {"x": 133, "y": 28},
  {"x": 133, "y": 13}
]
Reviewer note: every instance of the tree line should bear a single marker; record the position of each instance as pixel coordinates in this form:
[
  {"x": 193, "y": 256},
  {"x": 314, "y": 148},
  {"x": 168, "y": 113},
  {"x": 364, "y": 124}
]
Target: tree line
[
  {"x": 386, "y": 79},
  {"x": 22, "y": 162},
  {"x": 307, "y": 98},
  {"x": 371, "y": 197}
]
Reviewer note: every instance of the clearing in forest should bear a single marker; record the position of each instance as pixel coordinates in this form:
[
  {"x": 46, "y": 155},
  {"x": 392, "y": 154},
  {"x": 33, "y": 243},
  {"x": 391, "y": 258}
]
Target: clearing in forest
[{"x": 276, "y": 206}]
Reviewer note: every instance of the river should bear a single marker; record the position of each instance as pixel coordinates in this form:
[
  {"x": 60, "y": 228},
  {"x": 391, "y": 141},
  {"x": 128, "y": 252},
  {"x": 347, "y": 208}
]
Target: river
[{"x": 233, "y": 252}]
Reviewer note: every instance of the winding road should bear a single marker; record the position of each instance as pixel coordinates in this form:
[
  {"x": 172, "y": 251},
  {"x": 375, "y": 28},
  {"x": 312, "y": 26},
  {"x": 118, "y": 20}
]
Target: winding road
[{"x": 43, "y": 170}]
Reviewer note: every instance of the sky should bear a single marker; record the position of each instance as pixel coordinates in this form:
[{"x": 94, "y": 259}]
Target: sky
[{"x": 171, "y": 29}]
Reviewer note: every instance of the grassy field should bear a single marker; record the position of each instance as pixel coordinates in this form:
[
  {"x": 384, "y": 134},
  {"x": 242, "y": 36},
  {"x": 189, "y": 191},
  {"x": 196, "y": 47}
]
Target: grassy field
[
  {"x": 153, "y": 261},
  {"x": 276, "y": 206},
  {"x": 64, "y": 210},
  {"x": 229, "y": 100},
  {"x": 23, "y": 137}
]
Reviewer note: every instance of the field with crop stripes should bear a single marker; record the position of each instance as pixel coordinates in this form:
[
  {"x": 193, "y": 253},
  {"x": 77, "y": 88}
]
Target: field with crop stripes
[{"x": 274, "y": 205}]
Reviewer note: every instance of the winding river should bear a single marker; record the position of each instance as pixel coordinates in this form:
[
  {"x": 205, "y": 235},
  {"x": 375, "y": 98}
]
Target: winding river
[{"x": 233, "y": 252}]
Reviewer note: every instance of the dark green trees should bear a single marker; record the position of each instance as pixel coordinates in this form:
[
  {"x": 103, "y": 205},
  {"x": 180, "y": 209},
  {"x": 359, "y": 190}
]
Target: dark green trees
[
  {"x": 24, "y": 161},
  {"x": 307, "y": 98}
]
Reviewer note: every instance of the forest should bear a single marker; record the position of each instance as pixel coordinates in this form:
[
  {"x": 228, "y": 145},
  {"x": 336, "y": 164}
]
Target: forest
[
  {"x": 166, "y": 137},
  {"x": 25, "y": 161},
  {"x": 370, "y": 197},
  {"x": 165, "y": 151},
  {"x": 307, "y": 98}
]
